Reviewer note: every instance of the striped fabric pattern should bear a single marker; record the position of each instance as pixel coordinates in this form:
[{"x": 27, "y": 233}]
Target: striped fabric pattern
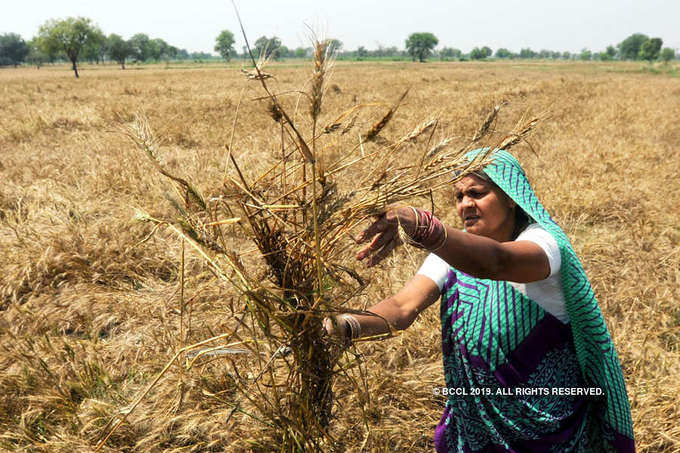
[{"x": 477, "y": 324}]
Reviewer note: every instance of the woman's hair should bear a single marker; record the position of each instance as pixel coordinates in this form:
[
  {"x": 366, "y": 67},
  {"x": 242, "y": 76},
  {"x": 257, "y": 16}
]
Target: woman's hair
[{"x": 522, "y": 219}]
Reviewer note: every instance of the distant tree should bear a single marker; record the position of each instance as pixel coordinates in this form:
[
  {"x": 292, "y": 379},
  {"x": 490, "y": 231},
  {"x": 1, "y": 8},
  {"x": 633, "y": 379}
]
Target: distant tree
[
  {"x": 585, "y": 54},
  {"x": 392, "y": 51},
  {"x": 182, "y": 54},
  {"x": 300, "y": 52},
  {"x": 527, "y": 53},
  {"x": 334, "y": 45},
  {"x": 95, "y": 49},
  {"x": 200, "y": 56},
  {"x": 449, "y": 53},
  {"x": 159, "y": 49},
  {"x": 566, "y": 55},
  {"x": 602, "y": 56},
  {"x": 172, "y": 52},
  {"x": 544, "y": 54},
  {"x": 224, "y": 44},
  {"x": 119, "y": 49},
  {"x": 13, "y": 49},
  {"x": 420, "y": 45},
  {"x": 269, "y": 47},
  {"x": 35, "y": 57},
  {"x": 611, "y": 52},
  {"x": 650, "y": 49},
  {"x": 480, "y": 54},
  {"x": 667, "y": 54},
  {"x": 476, "y": 54},
  {"x": 141, "y": 47},
  {"x": 361, "y": 53},
  {"x": 70, "y": 35},
  {"x": 629, "y": 48},
  {"x": 503, "y": 53}
]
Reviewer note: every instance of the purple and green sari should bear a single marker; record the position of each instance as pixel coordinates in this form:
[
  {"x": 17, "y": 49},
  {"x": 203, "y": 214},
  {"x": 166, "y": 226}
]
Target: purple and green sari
[{"x": 519, "y": 379}]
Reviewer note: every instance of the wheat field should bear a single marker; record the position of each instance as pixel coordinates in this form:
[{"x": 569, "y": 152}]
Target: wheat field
[{"x": 90, "y": 295}]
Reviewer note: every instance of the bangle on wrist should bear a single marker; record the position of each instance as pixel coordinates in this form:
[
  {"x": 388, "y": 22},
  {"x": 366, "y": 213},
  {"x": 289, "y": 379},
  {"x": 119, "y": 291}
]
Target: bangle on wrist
[
  {"x": 429, "y": 232},
  {"x": 353, "y": 326}
]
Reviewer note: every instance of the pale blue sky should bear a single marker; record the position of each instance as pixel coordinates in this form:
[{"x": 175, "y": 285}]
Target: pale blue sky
[{"x": 540, "y": 24}]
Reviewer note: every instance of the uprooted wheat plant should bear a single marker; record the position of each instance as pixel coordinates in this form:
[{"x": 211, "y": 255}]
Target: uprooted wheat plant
[
  {"x": 109, "y": 275},
  {"x": 299, "y": 214}
]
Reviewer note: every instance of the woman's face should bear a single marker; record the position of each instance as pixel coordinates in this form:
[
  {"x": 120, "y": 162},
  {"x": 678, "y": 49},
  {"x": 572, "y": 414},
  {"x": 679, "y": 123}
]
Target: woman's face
[{"x": 484, "y": 208}]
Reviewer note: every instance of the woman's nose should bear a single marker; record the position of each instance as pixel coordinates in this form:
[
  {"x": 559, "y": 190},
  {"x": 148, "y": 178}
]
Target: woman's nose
[{"x": 467, "y": 202}]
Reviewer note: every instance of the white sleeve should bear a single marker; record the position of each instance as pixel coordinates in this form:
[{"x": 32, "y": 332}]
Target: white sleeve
[
  {"x": 436, "y": 269},
  {"x": 536, "y": 234}
]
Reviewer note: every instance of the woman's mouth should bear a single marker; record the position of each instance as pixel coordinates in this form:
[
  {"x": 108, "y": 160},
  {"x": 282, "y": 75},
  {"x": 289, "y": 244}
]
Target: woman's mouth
[{"x": 470, "y": 220}]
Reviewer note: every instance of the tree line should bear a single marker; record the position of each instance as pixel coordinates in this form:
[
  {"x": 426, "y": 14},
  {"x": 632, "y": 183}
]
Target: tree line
[
  {"x": 79, "y": 39},
  {"x": 637, "y": 46}
]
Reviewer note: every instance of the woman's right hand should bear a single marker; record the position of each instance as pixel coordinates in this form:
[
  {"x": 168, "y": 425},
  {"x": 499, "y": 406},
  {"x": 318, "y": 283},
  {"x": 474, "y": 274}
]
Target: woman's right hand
[
  {"x": 336, "y": 327},
  {"x": 343, "y": 327},
  {"x": 383, "y": 234}
]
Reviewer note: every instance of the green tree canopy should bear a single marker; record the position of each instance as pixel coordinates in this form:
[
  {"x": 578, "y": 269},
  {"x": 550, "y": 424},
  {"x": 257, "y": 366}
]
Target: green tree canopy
[
  {"x": 449, "y": 53},
  {"x": 141, "y": 46},
  {"x": 13, "y": 49},
  {"x": 503, "y": 53},
  {"x": 667, "y": 54},
  {"x": 269, "y": 47},
  {"x": 480, "y": 54},
  {"x": 119, "y": 49},
  {"x": 527, "y": 53},
  {"x": 95, "y": 49},
  {"x": 159, "y": 49},
  {"x": 629, "y": 48},
  {"x": 70, "y": 35},
  {"x": 611, "y": 52},
  {"x": 35, "y": 56},
  {"x": 650, "y": 49},
  {"x": 224, "y": 44},
  {"x": 585, "y": 54},
  {"x": 361, "y": 53},
  {"x": 420, "y": 45},
  {"x": 300, "y": 52},
  {"x": 544, "y": 54},
  {"x": 334, "y": 45}
]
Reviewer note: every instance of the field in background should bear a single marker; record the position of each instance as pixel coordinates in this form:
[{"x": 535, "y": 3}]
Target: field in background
[{"x": 89, "y": 296}]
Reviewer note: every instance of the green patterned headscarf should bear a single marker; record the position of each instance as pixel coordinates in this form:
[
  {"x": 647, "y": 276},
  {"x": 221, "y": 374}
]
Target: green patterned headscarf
[{"x": 595, "y": 350}]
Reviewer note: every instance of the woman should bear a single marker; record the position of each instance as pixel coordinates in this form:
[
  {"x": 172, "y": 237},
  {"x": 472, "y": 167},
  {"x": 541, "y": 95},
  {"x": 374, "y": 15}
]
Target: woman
[{"x": 528, "y": 361}]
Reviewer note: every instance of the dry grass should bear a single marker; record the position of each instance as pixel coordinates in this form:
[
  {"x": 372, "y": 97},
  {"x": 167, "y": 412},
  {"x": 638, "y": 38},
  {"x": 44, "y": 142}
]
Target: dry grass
[{"x": 90, "y": 298}]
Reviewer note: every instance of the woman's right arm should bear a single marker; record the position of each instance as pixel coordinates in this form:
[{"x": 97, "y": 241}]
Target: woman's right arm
[{"x": 399, "y": 310}]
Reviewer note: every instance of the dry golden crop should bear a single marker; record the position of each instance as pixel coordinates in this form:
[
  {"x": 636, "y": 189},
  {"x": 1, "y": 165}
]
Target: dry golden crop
[{"x": 91, "y": 297}]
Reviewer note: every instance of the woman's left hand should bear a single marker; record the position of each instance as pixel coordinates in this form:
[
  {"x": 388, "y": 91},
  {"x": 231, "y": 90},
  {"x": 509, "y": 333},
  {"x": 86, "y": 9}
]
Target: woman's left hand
[{"x": 383, "y": 234}]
